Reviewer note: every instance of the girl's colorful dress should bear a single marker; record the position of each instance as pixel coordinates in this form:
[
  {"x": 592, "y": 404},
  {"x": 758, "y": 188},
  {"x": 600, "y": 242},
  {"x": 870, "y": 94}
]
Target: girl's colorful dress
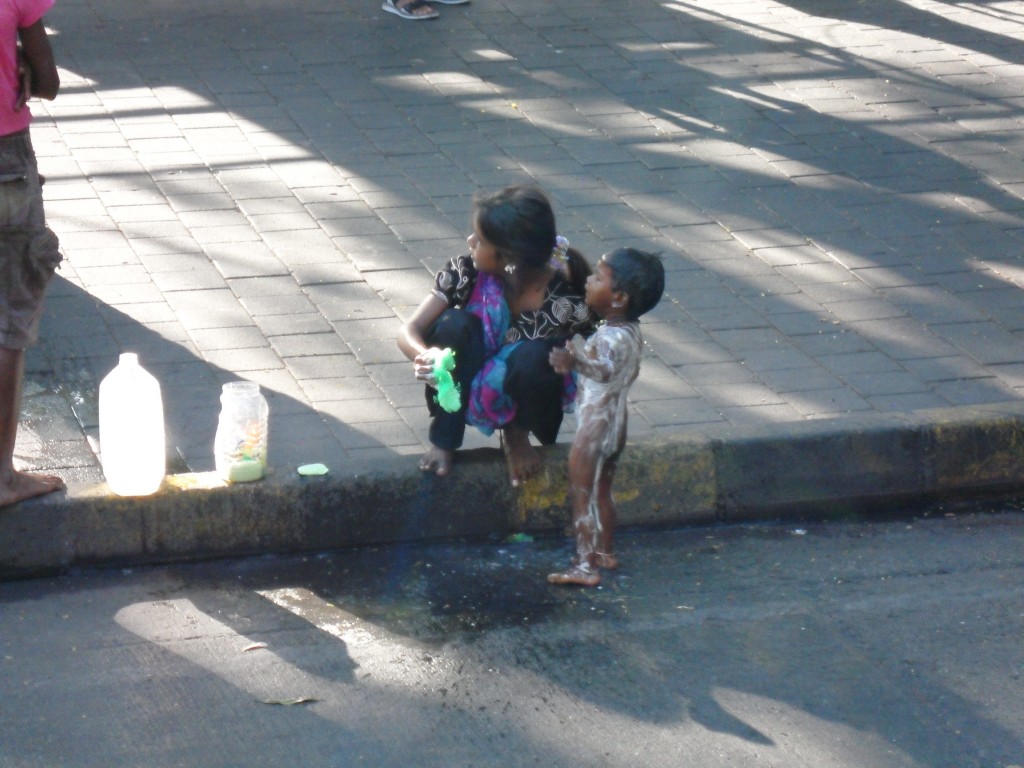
[{"x": 563, "y": 314}]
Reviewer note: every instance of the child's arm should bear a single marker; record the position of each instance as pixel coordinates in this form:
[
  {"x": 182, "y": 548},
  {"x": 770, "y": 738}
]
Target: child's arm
[
  {"x": 561, "y": 360},
  {"x": 412, "y": 337},
  {"x": 594, "y": 359}
]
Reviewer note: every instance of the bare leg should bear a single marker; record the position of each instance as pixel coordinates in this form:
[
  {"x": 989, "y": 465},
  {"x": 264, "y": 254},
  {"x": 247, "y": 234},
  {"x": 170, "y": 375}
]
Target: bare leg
[
  {"x": 522, "y": 458},
  {"x": 16, "y": 486},
  {"x": 604, "y": 511},
  {"x": 584, "y": 464},
  {"x": 607, "y": 516},
  {"x": 437, "y": 460}
]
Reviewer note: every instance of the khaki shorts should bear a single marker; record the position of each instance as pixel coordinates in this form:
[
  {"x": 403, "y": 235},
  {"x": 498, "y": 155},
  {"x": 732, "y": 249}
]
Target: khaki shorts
[{"x": 29, "y": 251}]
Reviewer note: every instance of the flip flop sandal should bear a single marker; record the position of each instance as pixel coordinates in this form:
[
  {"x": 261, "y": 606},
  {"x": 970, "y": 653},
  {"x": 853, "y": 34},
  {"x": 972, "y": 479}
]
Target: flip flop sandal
[{"x": 406, "y": 11}]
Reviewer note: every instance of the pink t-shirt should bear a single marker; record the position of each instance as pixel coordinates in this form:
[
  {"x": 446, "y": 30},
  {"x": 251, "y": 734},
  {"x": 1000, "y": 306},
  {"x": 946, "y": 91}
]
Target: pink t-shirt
[{"x": 15, "y": 15}]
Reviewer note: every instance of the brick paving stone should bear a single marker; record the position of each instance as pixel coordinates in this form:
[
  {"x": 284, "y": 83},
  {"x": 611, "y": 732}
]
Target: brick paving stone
[{"x": 840, "y": 217}]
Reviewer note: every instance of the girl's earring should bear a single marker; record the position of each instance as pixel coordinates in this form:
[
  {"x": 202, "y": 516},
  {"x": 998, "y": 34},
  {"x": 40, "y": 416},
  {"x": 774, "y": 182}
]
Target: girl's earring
[{"x": 510, "y": 268}]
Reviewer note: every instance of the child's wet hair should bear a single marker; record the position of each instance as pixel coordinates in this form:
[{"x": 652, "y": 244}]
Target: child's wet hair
[
  {"x": 638, "y": 274},
  {"x": 520, "y": 223}
]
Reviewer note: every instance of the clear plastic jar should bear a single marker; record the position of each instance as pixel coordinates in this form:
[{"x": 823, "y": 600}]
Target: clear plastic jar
[{"x": 240, "y": 447}]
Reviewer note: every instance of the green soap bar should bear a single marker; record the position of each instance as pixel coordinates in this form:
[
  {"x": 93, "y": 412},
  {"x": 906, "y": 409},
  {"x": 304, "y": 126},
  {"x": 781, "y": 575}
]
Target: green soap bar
[
  {"x": 245, "y": 472},
  {"x": 309, "y": 470}
]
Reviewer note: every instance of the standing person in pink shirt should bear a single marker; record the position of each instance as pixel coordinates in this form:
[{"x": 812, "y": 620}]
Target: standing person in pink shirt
[{"x": 28, "y": 249}]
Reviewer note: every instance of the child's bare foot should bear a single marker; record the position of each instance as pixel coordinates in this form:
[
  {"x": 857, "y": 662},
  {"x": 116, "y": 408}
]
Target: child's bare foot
[
  {"x": 605, "y": 560},
  {"x": 21, "y": 485},
  {"x": 579, "y": 575},
  {"x": 522, "y": 458},
  {"x": 436, "y": 460}
]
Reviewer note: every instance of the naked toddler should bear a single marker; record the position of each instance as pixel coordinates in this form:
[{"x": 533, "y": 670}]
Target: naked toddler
[{"x": 626, "y": 284}]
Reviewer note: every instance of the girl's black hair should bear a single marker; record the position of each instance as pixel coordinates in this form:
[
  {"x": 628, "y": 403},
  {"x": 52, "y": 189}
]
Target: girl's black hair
[
  {"x": 520, "y": 223},
  {"x": 638, "y": 274}
]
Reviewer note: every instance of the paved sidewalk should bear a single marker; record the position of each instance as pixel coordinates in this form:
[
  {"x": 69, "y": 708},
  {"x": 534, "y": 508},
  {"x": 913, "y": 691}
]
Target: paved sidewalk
[{"x": 262, "y": 190}]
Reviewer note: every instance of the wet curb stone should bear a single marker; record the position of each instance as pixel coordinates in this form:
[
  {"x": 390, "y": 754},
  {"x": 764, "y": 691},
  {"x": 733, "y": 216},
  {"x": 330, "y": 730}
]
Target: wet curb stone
[{"x": 820, "y": 468}]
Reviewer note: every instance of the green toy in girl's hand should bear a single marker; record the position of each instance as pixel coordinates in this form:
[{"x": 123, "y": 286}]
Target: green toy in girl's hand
[{"x": 448, "y": 396}]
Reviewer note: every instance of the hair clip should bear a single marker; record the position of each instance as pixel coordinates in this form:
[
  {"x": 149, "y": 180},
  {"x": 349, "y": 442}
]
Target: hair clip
[{"x": 559, "y": 255}]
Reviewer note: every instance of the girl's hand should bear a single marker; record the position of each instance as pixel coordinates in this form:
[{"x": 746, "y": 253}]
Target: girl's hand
[{"x": 423, "y": 365}]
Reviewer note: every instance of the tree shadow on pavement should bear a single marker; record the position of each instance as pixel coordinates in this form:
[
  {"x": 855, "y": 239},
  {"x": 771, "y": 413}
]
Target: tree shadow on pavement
[
  {"x": 936, "y": 23},
  {"x": 414, "y": 119}
]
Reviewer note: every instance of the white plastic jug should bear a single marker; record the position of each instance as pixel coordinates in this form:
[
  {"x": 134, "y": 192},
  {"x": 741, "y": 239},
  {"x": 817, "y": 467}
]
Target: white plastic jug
[
  {"x": 240, "y": 447},
  {"x": 132, "y": 448}
]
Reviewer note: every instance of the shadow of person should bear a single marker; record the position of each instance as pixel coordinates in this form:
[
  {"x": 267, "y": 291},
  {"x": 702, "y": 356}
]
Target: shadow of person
[{"x": 80, "y": 341}]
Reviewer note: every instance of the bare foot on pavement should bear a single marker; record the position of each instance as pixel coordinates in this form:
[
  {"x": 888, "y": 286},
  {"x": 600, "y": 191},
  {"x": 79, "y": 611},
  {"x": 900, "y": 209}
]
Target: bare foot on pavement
[
  {"x": 19, "y": 486},
  {"x": 436, "y": 460}
]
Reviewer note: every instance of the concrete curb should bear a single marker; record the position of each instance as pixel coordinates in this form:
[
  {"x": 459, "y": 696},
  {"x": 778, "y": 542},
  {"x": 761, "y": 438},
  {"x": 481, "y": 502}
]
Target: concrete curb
[{"x": 825, "y": 468}]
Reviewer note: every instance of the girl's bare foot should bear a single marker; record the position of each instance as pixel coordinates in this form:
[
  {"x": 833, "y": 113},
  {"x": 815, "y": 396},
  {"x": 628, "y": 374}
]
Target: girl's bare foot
[
  {"x": 522, "y": 458},
  {"x": 579, "y": 575},
  {"x": 21, "y": 485},
  {"x": 436, "y": 460}
]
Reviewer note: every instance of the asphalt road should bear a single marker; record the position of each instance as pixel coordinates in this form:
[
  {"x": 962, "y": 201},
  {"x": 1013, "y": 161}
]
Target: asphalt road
[{"x": 871, "y": 643}]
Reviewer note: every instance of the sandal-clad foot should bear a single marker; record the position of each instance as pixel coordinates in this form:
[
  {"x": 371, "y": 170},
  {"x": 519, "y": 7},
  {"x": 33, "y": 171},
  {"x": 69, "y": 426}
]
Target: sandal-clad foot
[
  {"x": 414, "y": 10},
  {"x": 577, "y": 575}
]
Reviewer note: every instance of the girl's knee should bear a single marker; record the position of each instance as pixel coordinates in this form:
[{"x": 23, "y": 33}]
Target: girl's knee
[
  {"x": 530, "y": 369},
  {"x": 454, "y": 328},
  {"x": 532, "y": 354}
]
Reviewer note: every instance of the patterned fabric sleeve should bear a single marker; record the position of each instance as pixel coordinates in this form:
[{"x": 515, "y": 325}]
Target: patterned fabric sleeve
[
  {"x": 564, "y": 314},
  {"x": 454, "y": 284}
]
